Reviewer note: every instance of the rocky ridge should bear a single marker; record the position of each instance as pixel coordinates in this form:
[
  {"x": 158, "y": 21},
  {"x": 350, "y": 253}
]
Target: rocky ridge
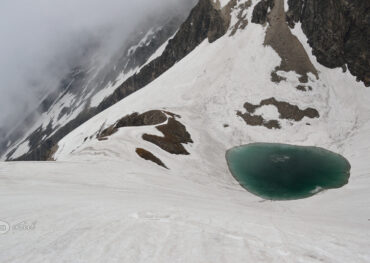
[{"x": 338, "y": 32}]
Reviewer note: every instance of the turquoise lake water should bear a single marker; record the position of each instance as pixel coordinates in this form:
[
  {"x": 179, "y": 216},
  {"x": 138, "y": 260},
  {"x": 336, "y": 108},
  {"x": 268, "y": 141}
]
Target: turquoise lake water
[{"x": 287, "y": 172}]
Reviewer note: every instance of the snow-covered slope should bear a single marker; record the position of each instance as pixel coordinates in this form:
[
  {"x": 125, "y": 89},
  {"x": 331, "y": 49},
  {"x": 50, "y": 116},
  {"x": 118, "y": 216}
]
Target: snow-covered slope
[
  {"x": 101, "y": 202},
  {"x": 94, "y": 78}
]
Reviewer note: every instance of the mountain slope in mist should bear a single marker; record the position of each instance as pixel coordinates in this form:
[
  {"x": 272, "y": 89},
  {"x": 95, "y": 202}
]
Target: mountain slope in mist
[{"x": 94, "y": 76}]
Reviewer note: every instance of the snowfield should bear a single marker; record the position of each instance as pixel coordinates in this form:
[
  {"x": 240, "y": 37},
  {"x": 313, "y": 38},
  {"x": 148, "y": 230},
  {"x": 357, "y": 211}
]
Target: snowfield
[{"x": 100, "y": 202}]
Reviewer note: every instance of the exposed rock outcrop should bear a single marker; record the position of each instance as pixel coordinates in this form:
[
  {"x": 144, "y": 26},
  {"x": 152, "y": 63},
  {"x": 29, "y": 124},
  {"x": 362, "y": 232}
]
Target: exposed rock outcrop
[
  {"x": 303, "y": 88},
  {"x": 174, "y": 135},
  {"x": 152, "y": 117},
  {"x": 286, "y": 111},
  {"x": 338, "y": 32},
  {"x": 258, "y": 120},
  {"x": 289, "y": 111},
  {"x": 281, "y": 39},
  {"x": 242, "y": 17},
  {"x": 260, "y": 11},
  {"x": 146, "y": 155}
]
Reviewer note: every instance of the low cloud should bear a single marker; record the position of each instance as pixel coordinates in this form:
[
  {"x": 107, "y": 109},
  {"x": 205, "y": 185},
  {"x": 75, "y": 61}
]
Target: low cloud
[{"x": 41, "y": 39}]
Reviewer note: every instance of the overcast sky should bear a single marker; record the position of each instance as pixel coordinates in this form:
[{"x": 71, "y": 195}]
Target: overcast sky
[{"x": 38, "y": 38}]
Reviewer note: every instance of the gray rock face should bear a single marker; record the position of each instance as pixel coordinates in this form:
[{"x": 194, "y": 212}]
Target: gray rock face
[
  {"x": 338, "y": 32},
  {"x": 259, "y": 15}
]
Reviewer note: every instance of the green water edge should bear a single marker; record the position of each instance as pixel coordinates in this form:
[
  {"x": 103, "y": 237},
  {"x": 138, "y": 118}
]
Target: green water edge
[{"x": 276, "y": 171}]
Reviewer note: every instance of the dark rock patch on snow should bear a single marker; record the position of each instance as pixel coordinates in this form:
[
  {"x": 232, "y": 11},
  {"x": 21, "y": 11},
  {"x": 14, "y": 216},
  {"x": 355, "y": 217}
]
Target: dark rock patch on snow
[
  {"x": 146, "y": 155},
  {"x": 304, "y": 88},
  {"x": 276, "y": 78},
  {"x": 152, "y": 117},
  {"x": 258, "y": 120},
  {"x": 242, "y": 17},
  {"x": 260, "y": 11},
  {"x": 289, "y": 111},
  {"x": 286, "y": 111},
  {"x": 135, "y": 119},
  {"x": 175, "y": 134}
]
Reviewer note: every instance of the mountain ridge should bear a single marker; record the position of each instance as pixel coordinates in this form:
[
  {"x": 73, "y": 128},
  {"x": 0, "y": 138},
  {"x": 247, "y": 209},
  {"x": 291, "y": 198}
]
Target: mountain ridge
[{"x": 211, "y": 21}]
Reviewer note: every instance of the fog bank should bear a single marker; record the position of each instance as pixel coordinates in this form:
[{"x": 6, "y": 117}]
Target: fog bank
[{"x": 42, "y": 39}]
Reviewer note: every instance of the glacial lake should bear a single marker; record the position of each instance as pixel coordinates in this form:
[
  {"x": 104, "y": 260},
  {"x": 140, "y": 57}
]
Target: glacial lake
[{"x": 287, "y": 172}]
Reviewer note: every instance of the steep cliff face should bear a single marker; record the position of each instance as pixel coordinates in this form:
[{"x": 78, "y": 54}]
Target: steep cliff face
[
  {"x": 206, "y": 20},
  {"x": 338, "y": 32}
]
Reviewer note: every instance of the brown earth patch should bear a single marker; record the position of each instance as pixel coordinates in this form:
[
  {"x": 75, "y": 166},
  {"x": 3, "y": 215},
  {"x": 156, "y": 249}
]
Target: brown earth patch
[
  {"x": 146, "y": 155},
  {"x": 289, "y": 48},
  {"x": 175, "y": 134}
]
